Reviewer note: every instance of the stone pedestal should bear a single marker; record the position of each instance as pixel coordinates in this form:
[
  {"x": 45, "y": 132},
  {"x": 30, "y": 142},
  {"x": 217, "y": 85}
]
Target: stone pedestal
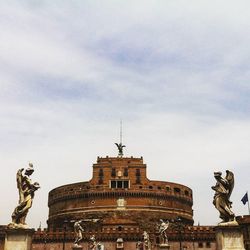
[
  {"x": 18, "y": 239},
  {"x": 229, "y": 238},
  {"x": 77, "y": 248},
  {"x": 164, "y": 247}
]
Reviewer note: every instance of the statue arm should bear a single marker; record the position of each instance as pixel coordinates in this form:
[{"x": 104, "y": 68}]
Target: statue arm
[
  {"x": 35, "y": 186},
  {"x": 19, "y": 177},
  {"x": 221, "y": 180},
  {"x": 167, "y": 224}
]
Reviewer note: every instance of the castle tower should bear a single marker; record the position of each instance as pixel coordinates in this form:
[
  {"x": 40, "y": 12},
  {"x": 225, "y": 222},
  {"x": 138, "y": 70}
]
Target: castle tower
[{"x": 121, "y": 195}]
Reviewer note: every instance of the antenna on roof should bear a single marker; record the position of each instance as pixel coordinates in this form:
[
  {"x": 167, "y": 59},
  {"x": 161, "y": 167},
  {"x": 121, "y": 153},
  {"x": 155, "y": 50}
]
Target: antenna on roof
[
  {"x": 121, "y": 131},
  {"x": 120, "y": 146}
]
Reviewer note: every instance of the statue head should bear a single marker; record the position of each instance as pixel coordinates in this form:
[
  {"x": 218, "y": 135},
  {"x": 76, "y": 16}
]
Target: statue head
[
  {"x": 29, "y": 170},
  {"x": 217, "y": 174}
]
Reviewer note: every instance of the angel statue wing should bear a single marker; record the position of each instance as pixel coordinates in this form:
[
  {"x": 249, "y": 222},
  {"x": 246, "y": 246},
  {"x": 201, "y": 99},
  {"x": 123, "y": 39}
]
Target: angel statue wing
[{"x": 230, "y": 179}]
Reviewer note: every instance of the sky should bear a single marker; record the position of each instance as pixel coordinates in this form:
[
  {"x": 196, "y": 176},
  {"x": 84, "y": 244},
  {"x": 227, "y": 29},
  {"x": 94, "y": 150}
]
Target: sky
[{"x": 176, "y": 72}]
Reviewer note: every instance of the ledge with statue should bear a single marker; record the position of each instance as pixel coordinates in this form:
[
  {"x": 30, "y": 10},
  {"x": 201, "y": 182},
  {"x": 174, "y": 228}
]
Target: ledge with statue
[
  {"x": 190, "y": 235},
  {"x": 228, "y": 232},
  {"x": 18, "y": 234}
]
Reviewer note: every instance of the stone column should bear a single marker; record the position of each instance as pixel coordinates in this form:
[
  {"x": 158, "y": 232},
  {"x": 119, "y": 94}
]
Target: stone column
[
  {"x": 18, "y": 239},
  {"x": 229, "y": 238}
]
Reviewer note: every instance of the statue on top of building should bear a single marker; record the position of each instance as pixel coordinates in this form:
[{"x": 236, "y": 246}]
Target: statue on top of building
[
  {"x": 78, "y": 229},
  {"x": 78, "y": 232},
  {"x": 146, "y": 241},
  {"x": 163, "y": 226},
  {"x": 139, "y": 245},
  {"x": 94, "y": 244},
  {"x": 26, "y": 190},
  {"x": 223, "y": 189},
  {"x": 120, "y": 149}
]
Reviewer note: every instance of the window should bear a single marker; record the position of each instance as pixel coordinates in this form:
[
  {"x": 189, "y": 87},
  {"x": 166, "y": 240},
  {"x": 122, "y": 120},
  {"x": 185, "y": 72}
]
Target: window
[
  {"x": 186, "y": 193},
  {"x": 208, "y": 244},
  {"x": 138, "y": 180},
  {"x": 177, "y": 190},
  {"x": 113, "y": 184},
  {"x": 125, "y": 172},
  {"x": 138, "y": 172},
  {"x": 200, "y": 245},
  {"x": 100, "y": 181},
  {"x": 101, "y": 172},
  {"x": 119, "y": 184},
  {"x": 157, "y": 240},
  {"x": 125, "y": 184},
  {"x": 113, "y": 172}
]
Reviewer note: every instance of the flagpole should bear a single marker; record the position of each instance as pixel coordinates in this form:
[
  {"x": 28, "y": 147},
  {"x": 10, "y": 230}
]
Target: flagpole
[{"x": 248, "y": 204}]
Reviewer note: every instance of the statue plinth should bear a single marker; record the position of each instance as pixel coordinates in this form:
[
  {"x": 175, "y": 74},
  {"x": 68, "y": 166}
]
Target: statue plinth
[
  {"x": 18, "y": 239},
  {"x": 77, "y": 247},
  {"x": 164, "y": 247},
  {"x": 229, "y": 237}
]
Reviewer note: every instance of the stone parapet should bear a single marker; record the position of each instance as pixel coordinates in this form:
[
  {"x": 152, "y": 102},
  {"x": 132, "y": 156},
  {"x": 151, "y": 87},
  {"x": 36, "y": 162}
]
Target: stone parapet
[
  {"x": 18, "y": 239},
  {"x": 229, "y": 238}
]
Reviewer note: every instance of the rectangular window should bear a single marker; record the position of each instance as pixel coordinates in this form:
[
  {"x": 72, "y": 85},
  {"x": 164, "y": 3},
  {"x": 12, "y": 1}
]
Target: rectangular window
[
  {"x": 125, "y": 184},
  {"x": 138, "y": 172},
  {"x": 119, "y": 184},
  {"x": 125, "y": 172},
  {"x": 113, "y": 184},
  {"x": 101, "y": 172},
  {"x": 208, "y": 245},
  {"x": 200, "y": 245},
  {"x": 138, "y": 180},
  {"x": 113, "y": 172}
]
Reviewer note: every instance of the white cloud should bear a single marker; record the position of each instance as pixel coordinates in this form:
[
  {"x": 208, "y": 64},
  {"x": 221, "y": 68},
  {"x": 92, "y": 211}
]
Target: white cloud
[{"x": 176, "y": 72}]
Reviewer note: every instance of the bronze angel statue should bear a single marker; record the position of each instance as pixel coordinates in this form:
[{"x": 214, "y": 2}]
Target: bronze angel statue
[
  {"x": 120, "y": 149},
  {"x": 26, "y": 194},
  {"x": 223, "y": 189}
]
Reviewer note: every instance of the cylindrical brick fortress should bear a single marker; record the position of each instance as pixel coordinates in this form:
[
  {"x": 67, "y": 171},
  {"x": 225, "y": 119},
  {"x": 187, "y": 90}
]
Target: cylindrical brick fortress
[{"x": 121, "y": 195}]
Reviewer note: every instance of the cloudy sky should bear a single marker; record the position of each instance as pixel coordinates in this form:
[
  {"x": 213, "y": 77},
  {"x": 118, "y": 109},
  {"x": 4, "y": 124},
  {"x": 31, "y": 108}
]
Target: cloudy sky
[{"x": 176, "y": 72}]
